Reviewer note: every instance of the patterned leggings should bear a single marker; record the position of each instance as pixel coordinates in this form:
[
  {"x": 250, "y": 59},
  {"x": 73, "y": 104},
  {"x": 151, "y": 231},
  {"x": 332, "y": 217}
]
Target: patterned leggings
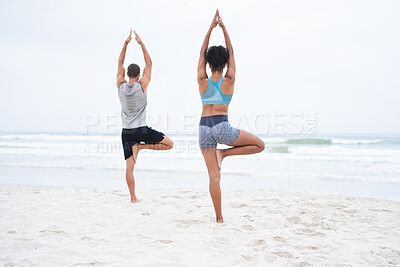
[{"x": 215, "y": 130}]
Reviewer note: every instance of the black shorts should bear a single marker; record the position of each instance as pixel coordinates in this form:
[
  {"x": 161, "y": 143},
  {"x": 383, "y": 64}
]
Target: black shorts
[{"x": 137, "y": 135}]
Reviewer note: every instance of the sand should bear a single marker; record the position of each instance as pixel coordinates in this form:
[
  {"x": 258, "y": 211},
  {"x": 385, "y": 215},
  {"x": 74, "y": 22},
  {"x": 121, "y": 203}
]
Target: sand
[{"x": 175, "y": 227}]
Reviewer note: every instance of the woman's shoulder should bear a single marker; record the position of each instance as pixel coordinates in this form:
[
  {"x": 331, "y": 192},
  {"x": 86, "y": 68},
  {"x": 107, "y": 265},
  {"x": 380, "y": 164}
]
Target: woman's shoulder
[{"x": 227, "y": 86}]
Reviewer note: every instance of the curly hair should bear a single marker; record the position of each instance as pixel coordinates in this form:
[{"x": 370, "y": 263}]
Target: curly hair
[{"x": 217, "y": 57}]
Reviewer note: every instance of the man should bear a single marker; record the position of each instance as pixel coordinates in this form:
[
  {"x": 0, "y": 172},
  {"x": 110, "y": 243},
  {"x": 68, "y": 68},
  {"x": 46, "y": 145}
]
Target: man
[{"x": 133, "y": 97}]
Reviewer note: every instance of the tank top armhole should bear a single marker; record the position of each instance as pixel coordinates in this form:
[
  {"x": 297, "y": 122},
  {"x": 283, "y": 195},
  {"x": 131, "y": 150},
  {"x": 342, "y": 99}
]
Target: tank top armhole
[{"x": 141, "y": 86}]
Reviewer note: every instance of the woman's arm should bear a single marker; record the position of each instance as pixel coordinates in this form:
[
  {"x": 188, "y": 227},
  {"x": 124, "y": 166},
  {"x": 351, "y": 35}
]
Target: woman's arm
[
  {"x": 201, "y": 69},
  {"x": 230, "y": 73}
]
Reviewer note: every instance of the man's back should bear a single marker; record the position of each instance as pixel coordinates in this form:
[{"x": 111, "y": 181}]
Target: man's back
[{"x": 133, "y": 102}]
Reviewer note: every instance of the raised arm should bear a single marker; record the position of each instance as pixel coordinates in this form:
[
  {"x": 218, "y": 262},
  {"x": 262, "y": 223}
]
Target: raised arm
[
  {"x": 230, "y": 73},
  {"x": 145, "y": 80},
  {"x": 201, "y": 68},
  {"x": 121, "y": 69}
]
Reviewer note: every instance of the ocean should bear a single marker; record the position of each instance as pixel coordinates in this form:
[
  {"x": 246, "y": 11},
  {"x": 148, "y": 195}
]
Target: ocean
[{"x": 350, "y": 165}]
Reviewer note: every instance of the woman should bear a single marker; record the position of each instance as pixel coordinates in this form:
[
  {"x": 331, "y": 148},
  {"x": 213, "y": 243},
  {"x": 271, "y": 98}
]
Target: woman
[{"x": 216, "y": 93}]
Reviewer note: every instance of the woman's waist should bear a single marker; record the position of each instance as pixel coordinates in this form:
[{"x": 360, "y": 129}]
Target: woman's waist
[
  {"x": 213, "y": 120},
  {"x": 212, "y": 110}
]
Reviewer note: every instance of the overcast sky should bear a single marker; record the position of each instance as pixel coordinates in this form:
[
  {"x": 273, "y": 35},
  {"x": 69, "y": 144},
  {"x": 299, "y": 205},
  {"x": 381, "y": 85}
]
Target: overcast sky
[{"x": 338, "y": 59}]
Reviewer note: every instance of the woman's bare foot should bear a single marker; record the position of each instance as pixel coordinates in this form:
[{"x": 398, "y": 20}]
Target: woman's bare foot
[
  {"x": 220, "y": 157},
  {"x": 220, "y": 219},
  {"x": 135, "y": 151},
  {"x": 134, "y": 200}
]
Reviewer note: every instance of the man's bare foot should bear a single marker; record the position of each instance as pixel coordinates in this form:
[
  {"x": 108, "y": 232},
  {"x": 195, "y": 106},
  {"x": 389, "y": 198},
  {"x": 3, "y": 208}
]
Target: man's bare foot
[
  {"x": 220, "y": 157},
  {"x": 135, "y": 151},
  {"x": 220, "y": 219}
]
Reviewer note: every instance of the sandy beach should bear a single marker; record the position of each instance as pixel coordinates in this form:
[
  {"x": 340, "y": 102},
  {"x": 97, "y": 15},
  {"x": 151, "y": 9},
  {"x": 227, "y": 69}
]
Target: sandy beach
[
  {"x": 47, "y": 226},
  {"x": 301, "y": 97}
]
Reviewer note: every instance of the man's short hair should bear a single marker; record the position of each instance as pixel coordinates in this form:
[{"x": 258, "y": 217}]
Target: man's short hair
[{"x": 133, "y": 70}]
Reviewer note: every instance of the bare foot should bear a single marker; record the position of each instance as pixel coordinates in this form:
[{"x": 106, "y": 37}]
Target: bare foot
[
  {"x": 220, "y": 157},
  {"x": 135, "y": 151},
  {"x": 134, "y": 200},
  {"x": 220, "y": 219}
]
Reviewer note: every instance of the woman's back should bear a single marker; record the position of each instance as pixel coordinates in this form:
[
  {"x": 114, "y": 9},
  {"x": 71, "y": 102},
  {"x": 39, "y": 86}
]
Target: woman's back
[{"x": 216, "y": 94}]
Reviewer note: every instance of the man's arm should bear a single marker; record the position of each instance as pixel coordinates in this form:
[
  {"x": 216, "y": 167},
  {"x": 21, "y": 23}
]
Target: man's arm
[
  {"x": 201, "y": 68},
  {"x": 121, "y": 69},
  {"x": 230, "y": 73},
  {"x": 146, "y": 77}
]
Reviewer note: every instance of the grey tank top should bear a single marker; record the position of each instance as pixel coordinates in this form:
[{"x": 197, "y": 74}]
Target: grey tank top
[{"x": 133, "y": 102}]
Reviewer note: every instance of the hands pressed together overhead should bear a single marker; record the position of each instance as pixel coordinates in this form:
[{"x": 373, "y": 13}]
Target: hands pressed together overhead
[
  {"x": 137, "y": 38},
  {"x": 217, "y": 21}
]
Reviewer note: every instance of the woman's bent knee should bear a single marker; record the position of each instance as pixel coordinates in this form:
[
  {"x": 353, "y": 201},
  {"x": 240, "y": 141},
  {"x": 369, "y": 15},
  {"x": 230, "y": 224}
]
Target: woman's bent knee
[
  {"x": 261, "y": 146},
  {"x": 171, "y": 145}
]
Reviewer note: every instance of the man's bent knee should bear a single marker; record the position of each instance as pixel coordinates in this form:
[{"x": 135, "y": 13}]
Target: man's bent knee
[{"x": 168, "y": 142}]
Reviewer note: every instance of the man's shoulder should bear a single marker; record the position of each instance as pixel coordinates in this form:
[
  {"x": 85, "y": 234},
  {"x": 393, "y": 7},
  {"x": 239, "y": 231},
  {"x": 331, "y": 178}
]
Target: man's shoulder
[
  {"x": 122, "y": 85},
  {"x": 127, "y": 88}
]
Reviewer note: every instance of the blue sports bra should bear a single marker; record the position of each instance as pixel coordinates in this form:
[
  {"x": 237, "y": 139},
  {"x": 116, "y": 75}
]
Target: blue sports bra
[{"x": 213, "y": 95}]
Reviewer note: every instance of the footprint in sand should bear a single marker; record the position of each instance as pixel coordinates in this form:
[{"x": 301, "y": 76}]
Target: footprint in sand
[
  {"x": 279, "y": 239},
  {"x": 24, "y": 262},
  {"x": 53, "y": 230},
  {"x": 258, "y": 245},
  {"x": 304, "y": 264},
  {"x": 309, "y": 232},
  {"x": 238, "y": 205},
  {"x": 163, "y": 241},
  {"x": 248, "y": 257},
  {"x": 119, "y": 193},
  {"x": 172, "y": 196},
  {"x": 248, "y": 227},
  {"x": 293, "y": 219},
  {"x": 283, "y": 254},
  {"x": 351, "y": 211},
  {"x": 258, "y": 242},
  {"x": 195, "y": 197},
  {"x": 187, "y": 223}
]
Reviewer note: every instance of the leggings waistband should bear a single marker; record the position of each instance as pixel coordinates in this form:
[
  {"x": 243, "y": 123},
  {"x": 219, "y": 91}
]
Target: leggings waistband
[{"x": 210, "y": 121}]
